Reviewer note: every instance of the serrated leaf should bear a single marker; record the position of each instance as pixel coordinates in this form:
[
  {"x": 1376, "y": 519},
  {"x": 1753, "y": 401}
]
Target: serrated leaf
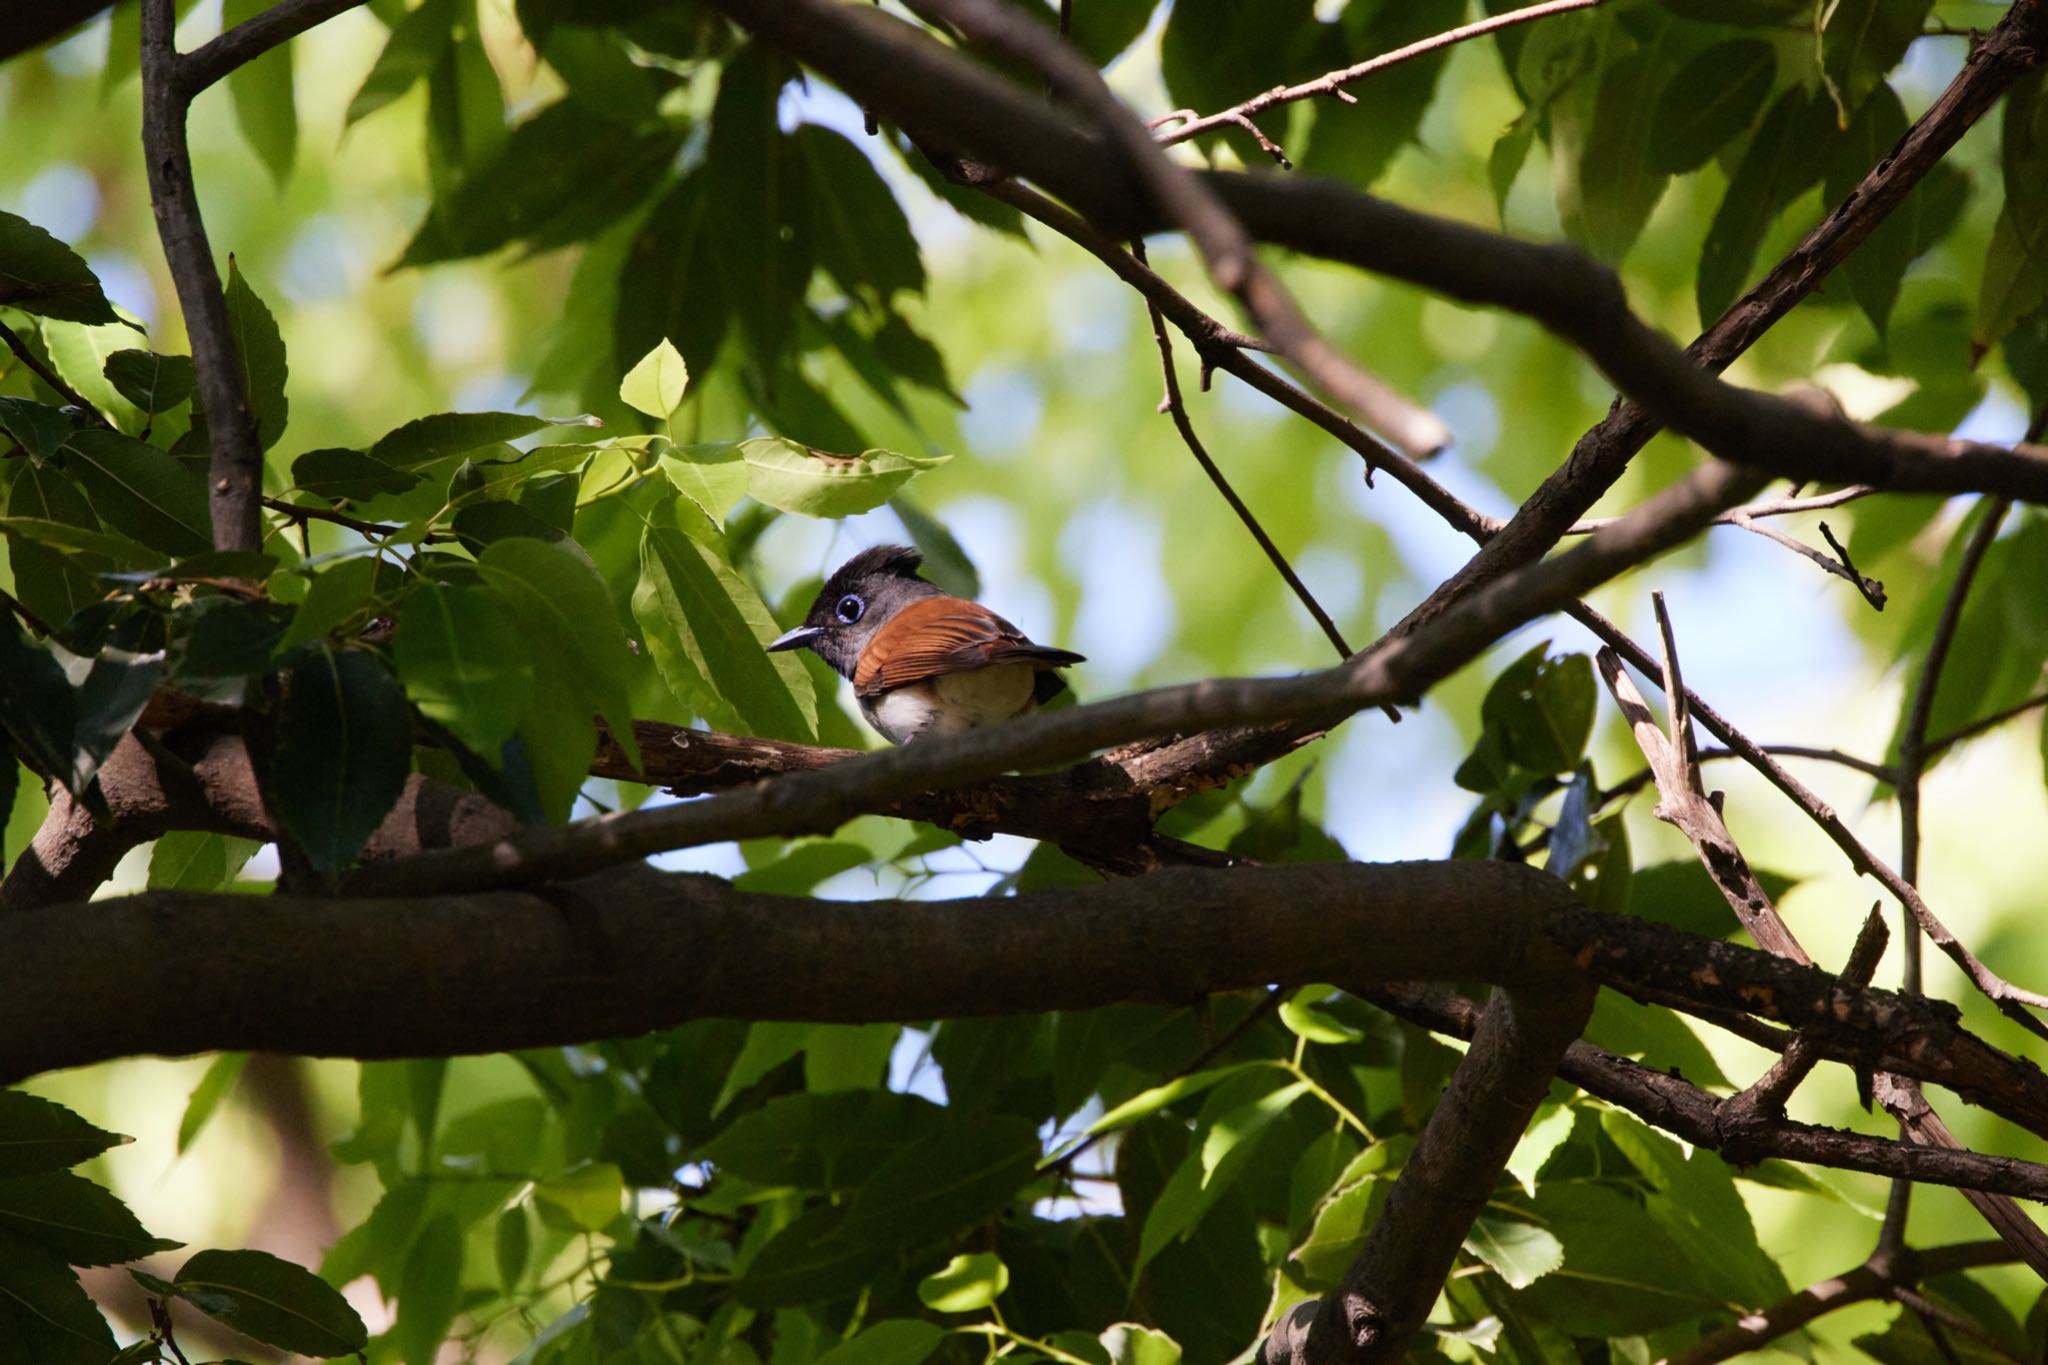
[
  {"x": 39, "y": 274},
  {"x": 464, "y": 663},
  {"x": 1519, "y": 1252},
  {"x": 343, "y": 748},
  {"x": 655, "y": 385},
  {"x": 74, "y": 1219},
  {"x": 259, "y": 349},
  {"x": 41, "y": 1135},
  {"x": 79, "y": 353},
  {"x": 46, "y": 1317},
  {"x": 213, "y": 1087},
  {"x": 141, "y": 491},
  {"x": 272, "y": 1300},
  {"x": 334, "y": 474},
  {"x": 969, "y": 1282},
  {"x": 795, "y": 478},
  {"x": 426, "y": 439},
  {"x": 707, "y": 629}
]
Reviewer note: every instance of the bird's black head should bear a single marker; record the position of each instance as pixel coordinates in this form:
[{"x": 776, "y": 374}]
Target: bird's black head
[{"x": 856, "y": 601}]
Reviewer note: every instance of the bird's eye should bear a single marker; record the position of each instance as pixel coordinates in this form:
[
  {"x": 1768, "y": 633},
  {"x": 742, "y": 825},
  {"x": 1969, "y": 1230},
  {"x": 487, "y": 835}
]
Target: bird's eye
[{"x": 850, "y": 608}]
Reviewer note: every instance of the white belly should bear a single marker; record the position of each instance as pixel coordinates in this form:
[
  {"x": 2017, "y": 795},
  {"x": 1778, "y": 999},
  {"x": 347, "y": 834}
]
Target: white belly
[{"x": 958, "y": 701}]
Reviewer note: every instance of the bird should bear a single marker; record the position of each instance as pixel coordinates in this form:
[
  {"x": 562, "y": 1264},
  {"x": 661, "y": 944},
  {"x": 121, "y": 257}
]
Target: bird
[{"x": 921, "y": 661}]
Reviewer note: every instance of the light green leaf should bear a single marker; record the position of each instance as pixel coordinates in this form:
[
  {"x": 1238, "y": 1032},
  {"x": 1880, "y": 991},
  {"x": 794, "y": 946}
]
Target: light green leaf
[
  {"x": 1129, "y": 1343},
  {"x": 429, "y": 1291},
  {"x": 1241, "y": 1125},
  {"x": 797, "y": 479},
  {"x": 969, "y": 1282},
  {"x": 1519, "y": 1252},
  {"x": 713, "y": 475},
  {"x": 1539, "y": 1142},
  {"x": 655, "y": 385},
  {"x": 213, "y": 1087},
  {"x": 1305, "y": 1021},
  {"x": 892, "y": 1341},
  {"x": 584, "y": 1198},
  {"x": 425, "y": 439},
  {"x": 79, "y": 354},
  {"x": 1159, "y": 1096},
  {"x": 464, "y": 663},
  {"x": 707, "y": 629}
]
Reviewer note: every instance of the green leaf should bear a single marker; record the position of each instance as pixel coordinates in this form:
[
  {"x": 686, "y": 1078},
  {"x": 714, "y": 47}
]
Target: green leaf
[
  {"x": 809, "y": 1261},
  {"x": 656, "y": 384},
  {"x": 1697, "y": 1203},
  {"x": 79, "y": 355},
  {"x": 1542, "y": 709},
  {"x": 40, "y": 428},
  {"x": 969, "y": 1282},
  {"x": 1159, "y": 1096},
  {"x": 858, "y": 230},
  {"x": 2015, "y": 276},
  {"x": 335, "y": 474},
  {"x": 426, "y": 439},
  {"x": 1299, "y": 1013},
  {"x": 707, "y": 629},
  {"x": 1610, "y": 183},
  {"x": 943, "y": 1182},
  {"x": 892, "y": 1341},
  {"x": 344, "y": 745},
  {"x": 74, "y": 1219},
  {"x": 1682, "y": 894},
  {"x": 39, "y": 274},
  {"x": 1131, "y": 1344},
  {"x": 1504, "y": 162},
  {"x": 818, "y": 1141},
  {"x": 558, "y": 598},
  {"x": 1232, "y": 1130},
  {"x": 117, "y": 685},
  {"x": 417, "y": 42},
  {"x": 512, "y": 1245},
  {"x": 263, "y": 96},
  {"x": 36, "y": 702},
  {"x": 757, "y": 207},
  {"x": 213, "y": 1087},
  {"x": 260, "y": 350},
  {"x": 584, "y": 1198},
  {"x": 1790, "y": 151},
  {"x": 795, "y": 478},
  {"x": 429, "y": 1291},
  {"x": 45, "y": 1316},
  {"x": 1863, "y": 40},
  {"x": 41, "y": 1135},
  {"x": 945, "y": 563},
  {"x": 338, "y": 594},
  {"x": 192, "y": 860},
  {"x": 1714, "y": 97},
  {"x": 1519, "y": 1252},
  {"x": 464, "y": 663},
  {"x": 141, "y": 491},
  {"x": 713, "y": 475},
  {"x": 1356, "y": 143},
  {"x": 274, "y": 1301},
  {"x": 1622, "y": 1274},
  {"x": 1550, "y": 1130}
]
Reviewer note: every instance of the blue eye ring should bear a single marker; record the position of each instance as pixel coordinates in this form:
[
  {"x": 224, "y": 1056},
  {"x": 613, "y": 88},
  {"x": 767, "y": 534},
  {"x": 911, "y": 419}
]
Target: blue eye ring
[{"x": 850, "y": 608}]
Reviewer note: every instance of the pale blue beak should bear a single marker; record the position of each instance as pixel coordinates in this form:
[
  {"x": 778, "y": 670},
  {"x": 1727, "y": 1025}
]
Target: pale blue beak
[{"x": 795, "y": 639}]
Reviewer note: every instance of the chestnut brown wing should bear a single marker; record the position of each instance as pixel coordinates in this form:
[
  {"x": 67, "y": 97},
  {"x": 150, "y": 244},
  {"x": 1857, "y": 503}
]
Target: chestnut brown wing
[{"x": 938, "y": 635}]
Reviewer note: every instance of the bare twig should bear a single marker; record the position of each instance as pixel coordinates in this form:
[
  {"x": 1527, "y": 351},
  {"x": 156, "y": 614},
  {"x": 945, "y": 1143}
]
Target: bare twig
[
  {"x": 1225, "y": 246},
  {"x": 1992, "y": 721},
  {"x": 1838, "y": 565},
  {"x": 1334, "y": 82},
  {"x": 1176, "y": 407}
]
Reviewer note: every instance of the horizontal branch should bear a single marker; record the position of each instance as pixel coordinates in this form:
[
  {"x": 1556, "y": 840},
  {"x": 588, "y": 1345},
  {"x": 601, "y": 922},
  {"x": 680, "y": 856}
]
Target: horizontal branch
[{"x": 251, "y": 38}]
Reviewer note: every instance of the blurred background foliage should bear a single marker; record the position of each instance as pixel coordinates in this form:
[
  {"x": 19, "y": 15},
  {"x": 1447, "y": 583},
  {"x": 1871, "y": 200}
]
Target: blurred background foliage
[{"x": 463, "y": 206}]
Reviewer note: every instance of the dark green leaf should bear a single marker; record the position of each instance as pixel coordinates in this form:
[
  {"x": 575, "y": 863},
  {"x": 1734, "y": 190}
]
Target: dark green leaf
[
  {"x": 819, "y": 1142},
  {"x": 1622, "y": 1274},
  {"x": 1504, "y": 162},
  {"x": 213, "y": 1087},
  {"x": 417, "y": 42},
  {"x": 45, "y": 1316},
  {"x": 274, "y": 1301},
  {"x": 39, "y": 274},
  {"x": 335, "y": 474},
  {"x": 810, "y": 1261},
  {"x": 1789, "y": 152},
  {"x": 36, "y": 703},
  {"x": 116, "y": 688},
  {"x": 757, "y": 211},
  {"x": 1682, "y": 895},
  {"x": 1104, "y": 28},
  {"x": 464, "y": 663},
  {"x": 672, "y": 282},
  {"x": 1713, "y": 98},
  {"x": 1543, "y": 709},
  {"x": 53, "y": 579},
  {"x": 260, "y": 349},
  {"x": 429, "y": 1291},
  {"x": 263, "y": 95},
  {"x": 1874, "y": 270},
  {"x": 141, "y": 491},
  {"x": 425, "y": 439},
  {"x": 1356, "y": 143},
  {"x": 1863, "y": 40},
  {"x": 561, "y": 602},
  {"x": 945, "y": 563},
  {"x": 1697, "y": 1203},
  {"x": 858, "y": 231},
  {"x": 1610, "y": 181},
  {"x": 943, "y": 1182},
  {"x": 2015, "y": 276},
  {"x": 707, "y": 628},
  {"x": 41, "y": 1135},
  {"x": 893, "y": 1341},
  {"x": 40, "y": 428},
  {"x": 344, "y": 744},
  {"x": 512, "y": 1245},
  {"x": 74, "y": 1219},
  {"x": 232, "y": 638}
]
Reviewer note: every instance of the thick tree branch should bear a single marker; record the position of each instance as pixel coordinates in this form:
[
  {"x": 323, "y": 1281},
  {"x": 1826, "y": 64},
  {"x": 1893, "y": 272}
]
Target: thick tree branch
[{"x": 1396, "y": 671}]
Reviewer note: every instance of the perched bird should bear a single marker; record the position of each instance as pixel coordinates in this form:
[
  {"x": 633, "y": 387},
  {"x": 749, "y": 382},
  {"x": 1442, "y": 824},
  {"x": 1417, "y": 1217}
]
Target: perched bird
[{"x": 922, "y": 662}]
